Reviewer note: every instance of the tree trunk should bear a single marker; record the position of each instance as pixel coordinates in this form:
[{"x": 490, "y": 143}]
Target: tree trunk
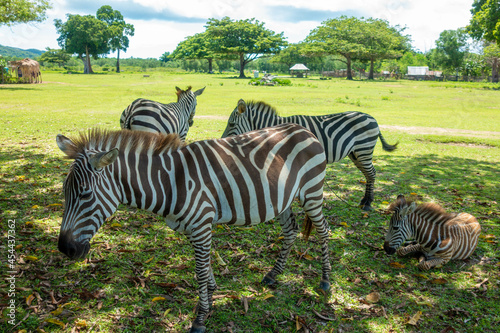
[
  {"x": 349, "y": 68},
  {"x": 118, "y": 61},
  {"x": 210, "y": 67},
  {"x": 494, "y": 70},
  {"x": 242, "y": 66},
  {"x": 370, "y": 75},
  {"x": 87, "y": 67}
]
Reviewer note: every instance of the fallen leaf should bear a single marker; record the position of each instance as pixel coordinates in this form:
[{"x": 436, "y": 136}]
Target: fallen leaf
[
  {"x": 268, "y": 296},
  {"x": 55, "y": 321},
  {"x": 149, "y": 260},
  {"x": 413, "y": 320},
  {"x": 219, "y": 259},
  {"x": 29, "y": 299},
  {"x": 373, "y": 297},
  {"x": 429, "y": 304},
  {"x": 35, "y": 207},
  {"x": 298, "y": 325},
  {"x": 81, "y": 323},
  {"x": 31, "y": 258},
  {"x": 396, "y": 265},
  {"x": 344, "y": 224},
  {"x": 413, "y": 193},
  {"x": 115, "y": 225},
  {"x": 54, "y": 205},
  {"x": 423, "y": 276},
  {"x": 438, "y": 281},
  {"x": 166, "y": 312},
  {"x": 245, "y": 303},
  {"x": 385, "y": 203},
  {"x": 158, "y": 298}
]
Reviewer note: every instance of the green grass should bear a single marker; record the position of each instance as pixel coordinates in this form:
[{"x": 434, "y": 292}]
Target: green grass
[{"x": 135, "y": 258}]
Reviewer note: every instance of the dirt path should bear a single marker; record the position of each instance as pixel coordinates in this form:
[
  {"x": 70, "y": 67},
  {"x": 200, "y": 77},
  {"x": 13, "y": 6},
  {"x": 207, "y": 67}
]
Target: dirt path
[{"x": 442, "y": 131}]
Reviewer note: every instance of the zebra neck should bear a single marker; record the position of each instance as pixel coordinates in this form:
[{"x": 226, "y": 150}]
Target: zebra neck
[
  {"x": 414, "y": 221},
  {"x": 145, "y": 182}
]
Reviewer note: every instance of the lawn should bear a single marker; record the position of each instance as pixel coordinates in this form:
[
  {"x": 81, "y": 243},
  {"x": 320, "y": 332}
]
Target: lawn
[{"x": 139, "y": 276}]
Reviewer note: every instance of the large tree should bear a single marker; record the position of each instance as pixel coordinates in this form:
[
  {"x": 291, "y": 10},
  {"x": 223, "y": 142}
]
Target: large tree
[
  {"x": 55, "y": 56},
  {"x": 199, "y": 46},
  {"x": 247, "y": 39},
  {"x": 118, "y": 29},
  {"x": 23, "y": 11},
  {"x": 381, "y": 41},
  {"x": 485, "y": 24},
  {"x": 491, "y": 55},
  {"x": 84, "y": 36},
  {"x": 343, "y": 36},
  {"x": 451, "y": 49},
  {"x": 294, "y": 54}
]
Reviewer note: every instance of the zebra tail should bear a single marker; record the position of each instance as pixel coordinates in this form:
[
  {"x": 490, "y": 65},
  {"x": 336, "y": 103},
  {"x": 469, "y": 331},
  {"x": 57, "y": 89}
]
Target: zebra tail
[
  {"x": 386, "y": 146},
  {"x": 307, "y": 228}
]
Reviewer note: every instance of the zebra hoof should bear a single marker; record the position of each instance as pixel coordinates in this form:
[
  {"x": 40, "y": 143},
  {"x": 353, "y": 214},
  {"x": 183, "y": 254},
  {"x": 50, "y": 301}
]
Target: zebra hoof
[
  {"x": 366, "y": 208},
  {"x": 197, "y": 328},
  {"x": 267, "y": 281},
  {"x": 324, "y": 285}
]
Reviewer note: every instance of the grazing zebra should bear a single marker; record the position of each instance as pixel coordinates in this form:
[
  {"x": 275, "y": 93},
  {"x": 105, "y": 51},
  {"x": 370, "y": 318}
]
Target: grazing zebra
[
  {"x": 352, "y": 134},
  {"x": 151, "y": 116},
  {"x": 439, "y": 235},
  {"x": 241, "y": 180}
]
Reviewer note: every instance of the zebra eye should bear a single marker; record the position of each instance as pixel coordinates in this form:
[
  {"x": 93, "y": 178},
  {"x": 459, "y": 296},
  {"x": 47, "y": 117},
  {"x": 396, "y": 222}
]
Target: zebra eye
[
  {"x": 395, "y": 228},
  {"x": 85, "y": 195}
]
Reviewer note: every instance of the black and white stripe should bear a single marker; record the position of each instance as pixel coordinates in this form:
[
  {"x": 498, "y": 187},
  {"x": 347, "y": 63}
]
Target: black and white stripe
[
  {"x": 240, "y": 180},
  {"x": 440, "y": 236},
  {"x": 352, "y": 134},
  {"x": 150, "y": 116}
]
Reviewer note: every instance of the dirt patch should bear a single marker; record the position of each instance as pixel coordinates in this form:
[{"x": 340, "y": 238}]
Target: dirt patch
[{"x": 442, "y": 131}]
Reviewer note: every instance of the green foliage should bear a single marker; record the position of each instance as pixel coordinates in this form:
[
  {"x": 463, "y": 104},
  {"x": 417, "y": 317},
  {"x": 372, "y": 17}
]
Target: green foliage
[
  {"x": 484, "y": 23},
  {"x": 275, "y": 82},
  {"x": 23, "y": 11},
  {"x": 451, "y": 49},
  {"x": 246, "y": 39},
  {"x": 84, "y": 36},
  {"x": 17, "y": 53},
  {"x": 54, "y": 56}
]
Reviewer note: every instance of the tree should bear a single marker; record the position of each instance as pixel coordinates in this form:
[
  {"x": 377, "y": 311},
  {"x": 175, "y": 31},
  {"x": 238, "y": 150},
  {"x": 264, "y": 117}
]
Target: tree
[
  {"x": 485, "y": 24},
  {"x": 55, "y": 56},
  {"x": 451, "y": 49},
  {"x": 293, "y": 54},
  {"x": 84, "y": 36},
  {"x": 199, "y": 46},
  {"x": 341, "y": 36},
  {"x": 23, "y": 11},
  {"x": 381, "y": 41},
  {"x": 491, "y": 54},
  {"x": 165, "y": 57},
  {"x": 118, "y": 29},
  {"x": 248, "y": 39}
]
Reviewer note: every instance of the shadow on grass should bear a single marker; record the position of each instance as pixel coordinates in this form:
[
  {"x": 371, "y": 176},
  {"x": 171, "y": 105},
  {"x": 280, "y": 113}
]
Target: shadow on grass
[{"x": 135, "y": 258}]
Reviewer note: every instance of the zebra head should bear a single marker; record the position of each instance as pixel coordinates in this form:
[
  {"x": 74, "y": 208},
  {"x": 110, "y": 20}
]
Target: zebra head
[
  {"x": 399, "y": 227},
  {"x": 189, "y": 98},
  {"x": 237, "y": 122},
  {"x": 89, "y": 200}
]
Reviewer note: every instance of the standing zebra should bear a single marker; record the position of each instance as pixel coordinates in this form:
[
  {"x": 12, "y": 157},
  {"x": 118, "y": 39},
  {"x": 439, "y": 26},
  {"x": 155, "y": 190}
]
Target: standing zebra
[
  {"x": 352, "y": 134},
  {"x": 151, "y": 116},
  {"x": 241, "y": 180},
  {"x": 440, "y": 236}
]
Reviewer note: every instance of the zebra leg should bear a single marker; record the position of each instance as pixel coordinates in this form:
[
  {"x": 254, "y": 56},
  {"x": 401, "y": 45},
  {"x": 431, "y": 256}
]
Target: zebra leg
[
  {"x": 322, "y": 232},
  {"x": 212, "y": 286},
  {"x": 427, "y": 263},
  {"x": 365, "y": 165},
  {"x": 201, "y": 244},
  {"x": 402, "y": 251},
  {"x": 289, "y": 229}
]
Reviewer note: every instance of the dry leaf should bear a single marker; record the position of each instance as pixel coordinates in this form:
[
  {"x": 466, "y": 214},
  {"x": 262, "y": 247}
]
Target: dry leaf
[
  {"x": 166, "y": 312},
  {"x": 158, "y": 298},
  {"x": 373, "y": 297},
  {"x": 245, "y": 303},
  {"x": 115, "y": 225},
  {"x": 55, "y": 321},
  {"x": 268, "y": 296},
  {"x": 31, "y": 258},
  {"x": 396, "y": 265},
  {"x": 81, "y": 323},
  {"x": 149, "y": 260},
  {"x": 29, "y": 299},
  {"x": 424, "y": 303},
  {"x": 298, "y": 325},
  {"x": 344, "y": 224},
  {"x": 413, "y": 320},
  {"x": 423, "y": 276},
  {"x": 438, "y": 281},
  {"x": 219, "y": 259}
]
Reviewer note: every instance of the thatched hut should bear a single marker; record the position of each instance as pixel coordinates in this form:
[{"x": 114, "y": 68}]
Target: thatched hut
[
  {"x": 26, "y": 70},
  {"x": 300, "y": 70}
]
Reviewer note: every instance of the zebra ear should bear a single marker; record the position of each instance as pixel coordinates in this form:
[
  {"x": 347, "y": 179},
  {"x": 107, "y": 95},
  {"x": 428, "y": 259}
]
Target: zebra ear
[
  {"x": 178, "y": 89},
  {"x": 101, "y": 160},
  {"x": 401, "y": 200},
  {"x": 242, "y": 107},
  {"x": 199, "y": 91},
  {"x": 66, "y": 145}
]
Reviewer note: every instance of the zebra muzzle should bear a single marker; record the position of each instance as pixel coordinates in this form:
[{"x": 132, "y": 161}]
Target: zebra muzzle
[
  {"x": 389, "y": 250},
  {"x": 72, "y": 249}
]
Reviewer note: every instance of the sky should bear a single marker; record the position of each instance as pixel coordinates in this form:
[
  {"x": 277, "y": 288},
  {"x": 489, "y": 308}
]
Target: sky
[{"x": 161, "y": 24}]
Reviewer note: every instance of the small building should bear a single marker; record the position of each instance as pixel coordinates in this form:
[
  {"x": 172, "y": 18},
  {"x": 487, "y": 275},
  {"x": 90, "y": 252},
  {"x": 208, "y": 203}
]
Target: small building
[
  {"x": 26, "y": 70},
  {"x": 299, "y": 70}
]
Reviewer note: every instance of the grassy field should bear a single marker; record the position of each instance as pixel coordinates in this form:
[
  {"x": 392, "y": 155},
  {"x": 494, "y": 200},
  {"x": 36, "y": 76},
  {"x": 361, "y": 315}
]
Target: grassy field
[{"x": 140, "y": 274}]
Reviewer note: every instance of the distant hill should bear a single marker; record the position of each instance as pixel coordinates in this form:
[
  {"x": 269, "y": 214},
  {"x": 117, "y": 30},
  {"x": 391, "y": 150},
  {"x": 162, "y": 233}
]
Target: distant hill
[{"x": 7, "y": 51}]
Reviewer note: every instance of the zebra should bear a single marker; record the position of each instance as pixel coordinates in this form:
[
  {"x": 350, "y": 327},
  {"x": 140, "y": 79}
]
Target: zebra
[
  {"x": 150, "y": 116},
  {"x": 242, "y": 180},
  {"x": 351, "y": 133},
  {"x": 439, "y": 235}
]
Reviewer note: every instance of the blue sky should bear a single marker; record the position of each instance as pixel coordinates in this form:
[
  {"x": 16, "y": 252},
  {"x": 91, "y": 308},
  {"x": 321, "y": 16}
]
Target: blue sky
[{"x": 161, "y": 25}]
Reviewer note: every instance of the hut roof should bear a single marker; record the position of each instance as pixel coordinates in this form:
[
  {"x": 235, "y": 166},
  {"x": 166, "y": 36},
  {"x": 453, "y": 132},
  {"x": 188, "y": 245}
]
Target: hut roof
[{"x": 299, "y": 67}]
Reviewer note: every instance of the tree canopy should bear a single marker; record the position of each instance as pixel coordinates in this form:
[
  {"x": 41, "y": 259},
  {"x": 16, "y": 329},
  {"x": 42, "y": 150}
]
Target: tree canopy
[
  {"x": 23, "y": 11},
  {"x": 247, "y": 39},
  {"x": 198, "y": 46},
  {"x": 485, "y": 21},
  {"x": 84, "y": 36},
  {"x": 118, "y": 30},
  {"x": 451, "y": 49}
]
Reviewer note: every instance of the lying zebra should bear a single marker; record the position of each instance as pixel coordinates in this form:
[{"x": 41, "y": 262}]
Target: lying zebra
[
  {"x": 439, "y": 235},
  {"x": 351, "y": 133},
  {"x": 150, "y": 116}
]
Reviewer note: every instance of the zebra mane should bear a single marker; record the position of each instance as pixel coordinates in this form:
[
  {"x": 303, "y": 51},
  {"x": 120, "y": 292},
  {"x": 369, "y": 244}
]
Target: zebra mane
[
  {"x": 427, "y": 210},
  {"x": 100, "y": 139},
  {"x": 179, "y": 92},
  {"x": 262, "y": 107}
]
